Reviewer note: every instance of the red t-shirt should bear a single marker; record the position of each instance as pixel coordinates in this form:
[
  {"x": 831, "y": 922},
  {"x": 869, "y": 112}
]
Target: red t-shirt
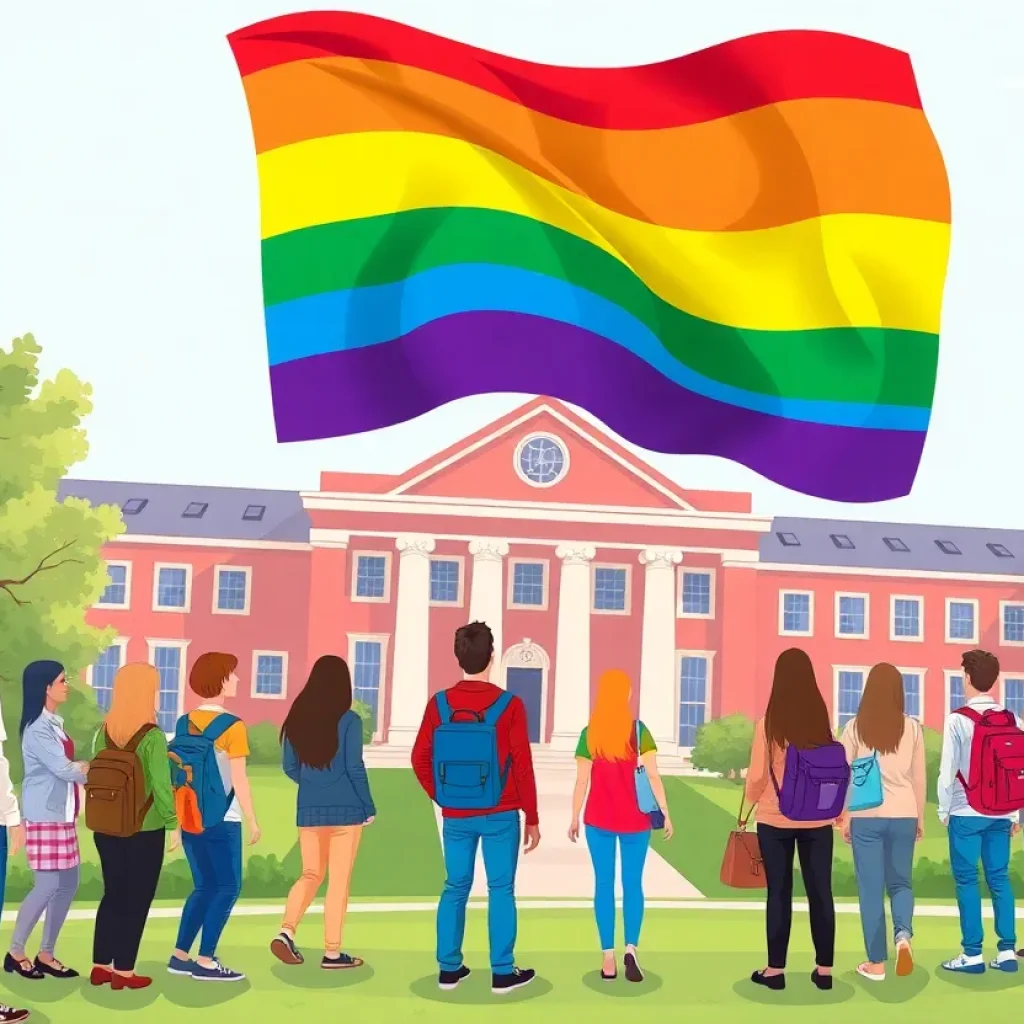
[
  {"x": 612, "y": 803},
  {"x": 520, "y": 791}
]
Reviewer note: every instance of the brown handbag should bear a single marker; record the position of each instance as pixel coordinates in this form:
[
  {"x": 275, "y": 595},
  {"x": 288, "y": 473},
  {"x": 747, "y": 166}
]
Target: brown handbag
[{"x": 742, "y": 866}]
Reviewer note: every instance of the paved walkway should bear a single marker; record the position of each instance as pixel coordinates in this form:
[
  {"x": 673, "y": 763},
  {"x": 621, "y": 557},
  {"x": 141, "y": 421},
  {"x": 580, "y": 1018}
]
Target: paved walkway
[{"x": 561, "y": 868}]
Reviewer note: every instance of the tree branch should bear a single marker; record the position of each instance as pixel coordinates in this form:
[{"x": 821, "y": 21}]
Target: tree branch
[{"x": 6, "y": 584}]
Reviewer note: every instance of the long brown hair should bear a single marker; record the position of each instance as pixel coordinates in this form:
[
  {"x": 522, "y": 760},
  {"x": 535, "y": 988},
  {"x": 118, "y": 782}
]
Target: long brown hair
[
  {"x": 880, "y": 719},
  {"x": 311, "y": 725},
  {"x": 796, "y": 711}
]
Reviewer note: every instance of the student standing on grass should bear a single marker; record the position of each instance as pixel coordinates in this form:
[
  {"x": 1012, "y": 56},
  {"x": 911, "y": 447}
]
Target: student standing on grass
[
  {"x": 131, "y": 864},
  {"x": 50, "y": 802},
  {"x": 215, "y": 854},
  {"x": 978, "y": 830},
  {"x": 886, "y": 748},
  {"x": 610, "y": 751},
  {"x": 476, "y": 721},
  {"x": 322, "y": 750}
]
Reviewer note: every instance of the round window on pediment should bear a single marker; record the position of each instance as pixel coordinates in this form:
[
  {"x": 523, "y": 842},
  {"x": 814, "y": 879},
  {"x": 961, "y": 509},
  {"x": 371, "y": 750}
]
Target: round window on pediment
[{"x": 541, "y": 460}]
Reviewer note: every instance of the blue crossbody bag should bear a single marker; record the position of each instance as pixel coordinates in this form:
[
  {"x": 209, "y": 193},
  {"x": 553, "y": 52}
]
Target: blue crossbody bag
[
  {"x": 644, "y": 794},
  {"x": 866, "y": 784}
]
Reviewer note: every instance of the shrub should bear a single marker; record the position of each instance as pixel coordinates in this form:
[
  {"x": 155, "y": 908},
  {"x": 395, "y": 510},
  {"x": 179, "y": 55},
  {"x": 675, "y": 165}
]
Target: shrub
[
  {"x": 264, "y": 744},
  {"x": 723, "y": 746},
  {"x": 365, "y": 712},
  {"x": 932, "y": 757}
]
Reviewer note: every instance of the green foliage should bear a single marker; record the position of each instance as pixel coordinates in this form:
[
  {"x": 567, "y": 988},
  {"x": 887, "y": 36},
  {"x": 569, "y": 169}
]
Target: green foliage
[
  {"x": 932, "y": 758},
  {"x": 723, "y": 745},
  {"x": 264, "y": 744},
  {"x": 51, "y": 569},
  {"x": 365, "y": 712}
]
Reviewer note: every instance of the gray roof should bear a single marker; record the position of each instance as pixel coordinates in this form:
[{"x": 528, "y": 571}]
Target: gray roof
[
  {"x": 230, "y": 513},
  {"x": 881, "y": 546}
]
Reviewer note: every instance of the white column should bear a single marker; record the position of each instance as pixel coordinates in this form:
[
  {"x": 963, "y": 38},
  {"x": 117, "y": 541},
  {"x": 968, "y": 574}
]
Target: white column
[
  {"x": 572, "y": 646},
  {"x": 409, "y": 676},
  {"x": 658, "y": 644},
  {"x": 487, "y": 594}
]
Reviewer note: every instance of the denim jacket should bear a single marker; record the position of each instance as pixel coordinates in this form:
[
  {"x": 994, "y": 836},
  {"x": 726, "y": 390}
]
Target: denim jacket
[
  {"x": 46, "y": 790},
  {"x": 340, "y": 793}
]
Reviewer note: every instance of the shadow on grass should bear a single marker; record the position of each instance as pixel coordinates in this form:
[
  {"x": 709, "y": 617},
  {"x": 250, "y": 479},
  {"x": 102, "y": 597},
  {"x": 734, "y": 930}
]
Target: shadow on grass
[
  {"x": 893, "y": 989},
  {"x": 619, "y": 988},
  {"x": 990, "y": 981},
  {"x": 476, "y": 991},
  {"x": 50, "y": 990},
  {"x": 126, "y": 999},
  {"x": 799, "y": 991},
  {"x": 196, "y": 995},
  {"x": 314, "y": 976}
]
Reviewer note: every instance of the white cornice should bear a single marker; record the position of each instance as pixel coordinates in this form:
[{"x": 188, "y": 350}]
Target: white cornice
[
  {"x": 876, "y": 573},
  {"x": 211, "y": 542}
]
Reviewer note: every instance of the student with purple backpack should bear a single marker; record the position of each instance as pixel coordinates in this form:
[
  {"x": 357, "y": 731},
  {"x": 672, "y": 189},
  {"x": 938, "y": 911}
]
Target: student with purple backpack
[{"x": 798, "y": 778}]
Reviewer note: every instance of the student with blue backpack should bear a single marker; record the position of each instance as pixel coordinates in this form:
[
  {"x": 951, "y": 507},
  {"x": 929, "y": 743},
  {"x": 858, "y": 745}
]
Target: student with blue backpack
[
  {"x": 472, "y": 757},
  {"x": 798, "y": 778},
  {"x": 208, "y": 755}
]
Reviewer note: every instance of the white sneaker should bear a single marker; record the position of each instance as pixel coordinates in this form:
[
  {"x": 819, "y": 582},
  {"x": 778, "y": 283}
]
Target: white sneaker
[{"x": 964, "y": 964}]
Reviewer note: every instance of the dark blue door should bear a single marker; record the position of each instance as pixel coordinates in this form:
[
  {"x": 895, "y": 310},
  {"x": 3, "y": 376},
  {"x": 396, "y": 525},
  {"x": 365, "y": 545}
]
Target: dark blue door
[{"x": 526, "y": 684}]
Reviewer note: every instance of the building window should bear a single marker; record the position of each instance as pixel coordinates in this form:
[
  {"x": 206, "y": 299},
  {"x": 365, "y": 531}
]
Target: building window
[
  {"x": 1013, "y": 622},
  {"x": 102, "y": 674},
  {"x": 269, "y": 673},
  {"x": 895, "y": 544},
  {"x": 693, "y": 696},
  {"x": 955, "y": 696},
  {"x": 445, "y": 581},
  {"x": 372, "y": 577},
  {"x": 231, "y": 590},
  {"x": 788, "y": 540},
  {"x": 947, "y": 547},
  {"x": 133, "y": 506},
  {"x": 254, "y": 513},
  {"x": 1000, "y": 550},
  {"x": 195, "y": 510},
  {"x": 796, "y": 613},
  {"x": 961, "y": 620},
  {"x": 852, "y": 615},
  {"x": 541, "y": 460},
  {"x": 849, "y": 687},
  {"x": 611, "y": 584},
  {"x": 697, "y": 595},
  {"x": 842, "y": 541},
  {"x": 528, "y": 590},
  {"x": 366, "y": 656},
  {"x": 1013, "y": 696},
  {"x": 115, "y": 594},
  {"x": 168, "y": 661},
  {"x": 172, "y": 588},
  {"x": 906, "y": 618},
  {"x": 912, "y": 692}
]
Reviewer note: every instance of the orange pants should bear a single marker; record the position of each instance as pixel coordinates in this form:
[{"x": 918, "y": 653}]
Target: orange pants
[{"x": 330, "y": 851}]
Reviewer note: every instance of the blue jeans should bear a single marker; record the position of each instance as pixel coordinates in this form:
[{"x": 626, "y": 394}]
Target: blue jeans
[
  {"x": 987, "y": 839},
  {"x": 883, "y": 858},
  {"x": 499, "y": 835},
  {"x": 633, "y": 845},
  {"x": 3, "y": 864},
  {"x": 215, "y": 857}
]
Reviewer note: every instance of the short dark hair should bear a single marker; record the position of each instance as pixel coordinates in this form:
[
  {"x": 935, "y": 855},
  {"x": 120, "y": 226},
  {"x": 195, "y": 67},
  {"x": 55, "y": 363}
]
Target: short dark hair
[
  {"x": 474, "y": 647},
  {"x": 981, "y": 668}
]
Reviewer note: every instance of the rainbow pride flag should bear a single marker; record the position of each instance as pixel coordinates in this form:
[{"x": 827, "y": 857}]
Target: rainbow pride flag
[{"x": 740, "y": 252}]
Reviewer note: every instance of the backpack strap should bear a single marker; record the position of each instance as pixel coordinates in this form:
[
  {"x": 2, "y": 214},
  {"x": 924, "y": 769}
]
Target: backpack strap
[
  {"x": 139, "y": 736},
  {"x": 972, "y": 714},
  {"x": 182, "y": 727},
  {"x": 218, "y": 726},
  {"x": 494, "y": 712},
  {"x": 444, "y": 709}
]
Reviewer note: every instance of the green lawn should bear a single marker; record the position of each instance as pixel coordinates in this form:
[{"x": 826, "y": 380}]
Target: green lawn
[{"x": 698, "y": 963}]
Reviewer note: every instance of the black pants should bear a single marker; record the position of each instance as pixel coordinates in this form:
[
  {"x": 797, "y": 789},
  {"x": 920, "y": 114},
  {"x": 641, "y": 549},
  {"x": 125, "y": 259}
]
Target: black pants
[
  {"x": 131, "y": 869},
  {"x": 814, "y": 846}
]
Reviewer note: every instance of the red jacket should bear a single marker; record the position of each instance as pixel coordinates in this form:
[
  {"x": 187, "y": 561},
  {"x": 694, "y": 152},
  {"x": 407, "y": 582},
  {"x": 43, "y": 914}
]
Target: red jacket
[{"x": 520, "y": 792}]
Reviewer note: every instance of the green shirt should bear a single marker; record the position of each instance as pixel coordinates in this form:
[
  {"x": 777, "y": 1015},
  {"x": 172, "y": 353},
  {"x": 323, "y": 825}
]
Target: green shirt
[
  {"x": 647, "y": 744},
  {"x": 156, "y": 770}
]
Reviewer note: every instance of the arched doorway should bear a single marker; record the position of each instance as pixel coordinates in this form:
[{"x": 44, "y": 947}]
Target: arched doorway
[{"x": 524, "y": 669}]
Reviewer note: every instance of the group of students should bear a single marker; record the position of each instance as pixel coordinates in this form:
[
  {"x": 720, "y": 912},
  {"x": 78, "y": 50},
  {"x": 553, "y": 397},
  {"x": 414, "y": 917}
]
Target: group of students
[{"x": 877, "y": 804}]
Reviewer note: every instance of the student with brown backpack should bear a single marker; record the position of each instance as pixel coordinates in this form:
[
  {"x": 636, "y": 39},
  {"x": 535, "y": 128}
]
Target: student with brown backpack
[{"x": 129, "y": 806}]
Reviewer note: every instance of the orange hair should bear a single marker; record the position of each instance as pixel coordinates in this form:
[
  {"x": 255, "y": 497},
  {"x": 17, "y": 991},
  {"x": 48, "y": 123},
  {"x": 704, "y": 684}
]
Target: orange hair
[
  {"x": 133, "y": 701},
  {"x": 610, "y": 729}
]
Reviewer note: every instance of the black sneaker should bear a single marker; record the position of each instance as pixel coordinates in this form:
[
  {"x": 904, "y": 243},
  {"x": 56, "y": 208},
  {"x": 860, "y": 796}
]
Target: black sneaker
[
  {"x": 633, "y": 969},
  {"x": 502, "y": 983},
  {"x": 447, "y": 980},
  {"x": 284, "y": 948}
]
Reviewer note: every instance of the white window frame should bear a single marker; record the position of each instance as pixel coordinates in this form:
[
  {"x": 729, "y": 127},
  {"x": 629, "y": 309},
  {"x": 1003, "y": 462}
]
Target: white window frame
[
  {"x": 836, "y": 669},
  {"x": 187, "y": 607},
  {"x": 119, "y": 641},
  {"x": 512, "y": 563},
  {"x": 382, "y": 691},
  {"x": 217, "y": 570},
  {"x": 709, "y": 656},
  {"x": 627, "y": 597},
  {"x": 283, "y": 695},
  {"x": 947, "y": 679},
  {"x": 126, "y": 604},
  {"x": 356, "y": 555},
  {"x": 549, "y": 435},
  {"x": 694, "y": 570},
  {"x": 866, "y": 598},
  {"x": 782, "y": 613},
  {"x": 950, "y": 601},
  {"x": 1003, "y": 676},
  {"x": 921, "y": 672},
  {"x": 152, "y": 643},
  {"x": 1003, "y": 642},
  {"x": 460, "y": 602},
  {"x": 893, "y": 598}
]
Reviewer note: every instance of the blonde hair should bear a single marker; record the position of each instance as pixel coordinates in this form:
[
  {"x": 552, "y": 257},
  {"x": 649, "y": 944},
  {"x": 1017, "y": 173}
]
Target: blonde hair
[
  {"x": 610, "y": 729},
  {"x": 133, "y": 701}
]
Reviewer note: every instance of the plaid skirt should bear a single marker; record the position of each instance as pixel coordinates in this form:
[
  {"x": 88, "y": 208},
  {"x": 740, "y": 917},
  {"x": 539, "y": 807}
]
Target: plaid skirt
[{"x": 51, "y": 845}]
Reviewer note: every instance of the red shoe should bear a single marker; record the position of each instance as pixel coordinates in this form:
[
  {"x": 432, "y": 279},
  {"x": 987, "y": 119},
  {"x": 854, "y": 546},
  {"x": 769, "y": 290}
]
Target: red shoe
[
  {"x": 119, "y": 981},
  {"x": 101, "y": 976}
]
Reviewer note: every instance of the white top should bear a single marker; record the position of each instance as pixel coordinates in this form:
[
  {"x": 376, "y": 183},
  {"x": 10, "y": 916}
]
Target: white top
[
  {"x": 10, "y": 815},
  {"x": 956, "y": 757},
  {"x": 58, "y": 727},
  {"x": 224, "y": 764}
]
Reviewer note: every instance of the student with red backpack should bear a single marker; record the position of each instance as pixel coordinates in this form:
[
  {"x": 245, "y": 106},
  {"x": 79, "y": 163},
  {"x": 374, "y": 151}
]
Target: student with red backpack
[
  {"x": 472, "y": 757},
  {"x": 981, "y": 794}
]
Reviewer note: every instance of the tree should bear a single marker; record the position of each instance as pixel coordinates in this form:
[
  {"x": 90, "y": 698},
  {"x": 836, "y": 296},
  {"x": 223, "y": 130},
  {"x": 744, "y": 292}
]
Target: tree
[
  {"x": 365, "y": 712},
  {"x": 51, "y": 565},
  {"x": 723, "y": 746},
  {"x": 932, "y": 757}
]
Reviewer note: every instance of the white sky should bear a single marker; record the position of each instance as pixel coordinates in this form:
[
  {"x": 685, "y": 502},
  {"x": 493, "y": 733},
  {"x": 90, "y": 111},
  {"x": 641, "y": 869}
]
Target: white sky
[{"x": 129, "y": 228}]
